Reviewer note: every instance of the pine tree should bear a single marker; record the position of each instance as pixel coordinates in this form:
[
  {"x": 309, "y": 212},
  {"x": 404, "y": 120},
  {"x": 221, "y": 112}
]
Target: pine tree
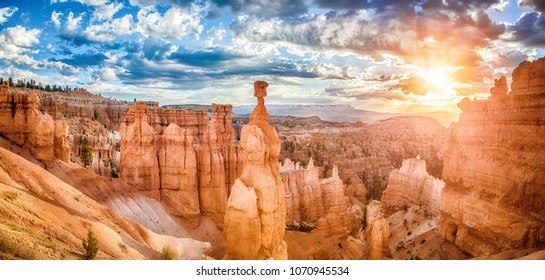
[
  {"x": 90, "y": 245},
  {"x": 85, "y": 152}
]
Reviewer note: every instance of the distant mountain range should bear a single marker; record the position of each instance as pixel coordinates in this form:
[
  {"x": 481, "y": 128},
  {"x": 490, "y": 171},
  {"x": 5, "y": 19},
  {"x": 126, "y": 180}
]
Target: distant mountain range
[
  {"x": 330, "y": 113},
  {"x": 341, "y": 113}
]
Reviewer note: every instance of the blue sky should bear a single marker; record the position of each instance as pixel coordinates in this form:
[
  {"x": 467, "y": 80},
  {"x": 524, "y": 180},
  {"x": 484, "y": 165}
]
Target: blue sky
[{"x": 394, "y": 55}]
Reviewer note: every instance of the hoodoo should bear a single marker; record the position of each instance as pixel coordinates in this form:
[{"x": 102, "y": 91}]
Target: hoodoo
[{"x": 256, "y": 213}]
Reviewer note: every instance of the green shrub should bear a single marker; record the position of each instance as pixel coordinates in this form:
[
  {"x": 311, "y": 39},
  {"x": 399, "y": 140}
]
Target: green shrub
[
  {"x": 90, "y": 245},
  {"x": 85, "y": 152},
  {"x": 168, "y": 253},
  {"x": 123, "y": 247}
]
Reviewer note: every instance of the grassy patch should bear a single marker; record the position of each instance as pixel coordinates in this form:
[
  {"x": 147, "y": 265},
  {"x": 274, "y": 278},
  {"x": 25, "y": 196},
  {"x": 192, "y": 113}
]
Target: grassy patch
[
  {"x": 123, "y": 247},
  {"x": 12, "y": 251}
]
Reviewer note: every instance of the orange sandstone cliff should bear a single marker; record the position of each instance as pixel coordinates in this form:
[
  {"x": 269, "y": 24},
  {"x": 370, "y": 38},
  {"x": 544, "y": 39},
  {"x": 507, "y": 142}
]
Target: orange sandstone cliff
[
  {"x": 176, "y": 157},
  {"x": 22, "y": 123},
  {"x": 494, "y": 168}
]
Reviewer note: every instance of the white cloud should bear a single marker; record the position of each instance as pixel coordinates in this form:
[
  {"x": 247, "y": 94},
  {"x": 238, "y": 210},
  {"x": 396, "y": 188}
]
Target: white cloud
[
  {"x": 108, "y": 74},
  {"x": 84, "y": 2},
  {"x": 145, "y": 3},
  {"x": 7, "y": 12},
  {"x": 15, "y": 41},
  {"x": 106, "y": 12},
  {"x": 214, "y": 34},
  {"x": 56, "y": 20},
  {"x": 500, "y": 6},
  {"x": 176, "y": 23},
  {"x": 73, "y": 23},
  {"x": 109, "y": 30}
]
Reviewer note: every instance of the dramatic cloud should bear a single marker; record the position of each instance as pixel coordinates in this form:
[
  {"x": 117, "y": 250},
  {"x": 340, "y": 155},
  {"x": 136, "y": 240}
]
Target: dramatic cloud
[
  {"x": 72, "y": 23},
  {"x": 82, "y": 60},
  {"x": 106, "y": 12},
  {"x": 7, "y": 12},
  {"x": 265, "y": 8},
  {"x": 108, "y": 31},
  {"x": 421, "y": 38},
  {"x": 16, "y": 42},
  {"x": 342, "y": 4},
  {"x": 176, "y": 23},
  {"x": 388, "y": 54},
  {"x": 529, "y": 29},
  {"x": 202, "y": 58},
  {"x": 538, "y": 5},
  {"x": 84, "y": 2}
]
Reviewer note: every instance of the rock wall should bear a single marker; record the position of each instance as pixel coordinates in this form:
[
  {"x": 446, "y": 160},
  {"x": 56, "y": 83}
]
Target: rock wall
[
  {"x": 341, "y": 217},
  {"x": 303, "y": 194},
  {"x": 411, "y": 185},
  {"x": 23, "y": 124},
  {"x": 529, "y": 78},
  {"x": 90, "y": 117},
  {"x": 494, "y": 169},
  {"x": 256, "y": 213},
  {"x": 325, "y": 204},
  {"x": 177, "y": 157}
]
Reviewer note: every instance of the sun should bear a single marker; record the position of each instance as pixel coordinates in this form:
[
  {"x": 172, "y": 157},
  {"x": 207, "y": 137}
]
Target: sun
[
  {"x": 439, "y": 87},
  {"x": 436, "y": 79}
]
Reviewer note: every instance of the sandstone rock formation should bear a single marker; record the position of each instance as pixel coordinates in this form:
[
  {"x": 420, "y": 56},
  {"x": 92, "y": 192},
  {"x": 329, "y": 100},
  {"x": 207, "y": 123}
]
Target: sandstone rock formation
[
  {"x": 377, "y": 233},
  {"x": 303, "y": 194},
  {"x": 23, "y": 124},
  {"x": 494, "y": 169},
  {"x": 255, "y": 215},
  {"x": 411, "y": 185},
  {"x": 529, "y": 78},
  {"x": 90, "y": 117},
  {"x": 500, "y": 87},
  {"x": 341, "y": 218},
  {"x": 322, "y": 204},
  {"x": 366, "y": 153},
  {"x": 175, "y": 157}
]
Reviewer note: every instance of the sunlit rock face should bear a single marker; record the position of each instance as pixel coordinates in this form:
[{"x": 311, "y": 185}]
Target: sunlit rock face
[
  {"x": 256, "y": 213},
  {"x": 176, "y": 157},
  {"x": 23, "y": 124},
  {"x": 303, "y": 194},
  {"x": 494, "y": 169},
  {"x": 324, "y": 204},
  {"x": 529, "y": 78},
  {"x": 377, "y": 233},
  {"x": 411, "y": 185},
  {"x": 90, "y": 117}
]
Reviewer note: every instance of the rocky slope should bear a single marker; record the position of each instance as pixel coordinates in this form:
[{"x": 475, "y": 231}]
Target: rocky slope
[
  {"x": 43, "y": 217},
  {"x": 494, "y": 168},
  {"x": 255, "y": 218}
]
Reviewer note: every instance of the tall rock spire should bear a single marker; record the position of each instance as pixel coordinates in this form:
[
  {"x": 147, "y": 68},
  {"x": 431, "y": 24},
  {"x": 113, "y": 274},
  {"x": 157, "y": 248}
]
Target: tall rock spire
[{"x": 256, "y": 212}]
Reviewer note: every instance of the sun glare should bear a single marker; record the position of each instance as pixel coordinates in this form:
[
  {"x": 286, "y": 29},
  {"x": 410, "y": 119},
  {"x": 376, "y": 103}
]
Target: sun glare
[
  {"x": 439, "y": 86},
  {"x": 436, "y": 78}
]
